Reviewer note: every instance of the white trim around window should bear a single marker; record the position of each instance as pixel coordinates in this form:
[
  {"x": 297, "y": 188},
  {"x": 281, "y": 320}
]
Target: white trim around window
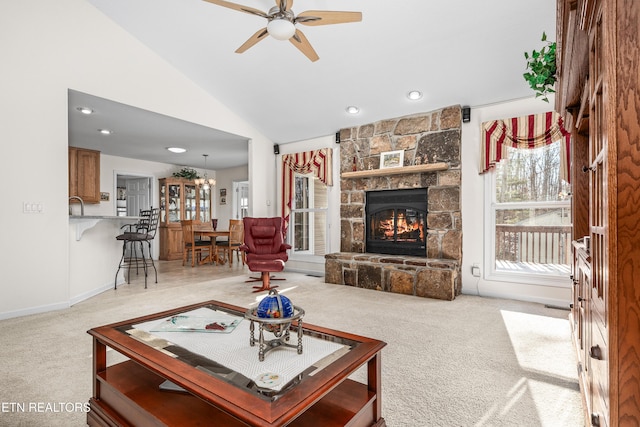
[{"x": 490, "y": 271}]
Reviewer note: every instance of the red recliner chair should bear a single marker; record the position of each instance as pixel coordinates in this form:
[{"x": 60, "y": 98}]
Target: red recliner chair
[{"x": 265, "y": 249}]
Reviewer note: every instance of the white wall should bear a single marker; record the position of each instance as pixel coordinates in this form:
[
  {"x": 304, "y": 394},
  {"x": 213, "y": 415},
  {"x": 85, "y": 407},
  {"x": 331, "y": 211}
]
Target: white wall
[
  {"x": 473, "y": 201},
  {"x": 225, "y": 179},
  {"x": 48, "y": 48}
]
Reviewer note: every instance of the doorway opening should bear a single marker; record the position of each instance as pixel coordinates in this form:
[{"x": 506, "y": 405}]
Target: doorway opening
[
  {"x": 133, "y": 193},
  {"x": 240, "y": 199}
]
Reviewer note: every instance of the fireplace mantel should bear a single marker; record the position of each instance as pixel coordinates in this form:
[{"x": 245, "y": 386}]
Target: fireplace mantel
[{"x": 429, "y": 167}]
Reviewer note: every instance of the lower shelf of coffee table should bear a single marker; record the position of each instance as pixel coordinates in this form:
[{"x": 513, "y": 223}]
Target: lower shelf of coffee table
[{"x": 130, "y": 396}]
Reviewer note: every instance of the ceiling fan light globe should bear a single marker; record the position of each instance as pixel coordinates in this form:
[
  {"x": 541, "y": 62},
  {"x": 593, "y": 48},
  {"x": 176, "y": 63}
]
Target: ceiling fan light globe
[{"x": 281, "y": 29}]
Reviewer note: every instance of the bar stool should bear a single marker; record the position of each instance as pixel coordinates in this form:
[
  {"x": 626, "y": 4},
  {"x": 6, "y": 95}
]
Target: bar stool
[{"x": 142, "y": 231}]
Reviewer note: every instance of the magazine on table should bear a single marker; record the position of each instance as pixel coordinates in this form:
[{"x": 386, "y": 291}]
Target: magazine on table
[{"x": 216, "y": 322}]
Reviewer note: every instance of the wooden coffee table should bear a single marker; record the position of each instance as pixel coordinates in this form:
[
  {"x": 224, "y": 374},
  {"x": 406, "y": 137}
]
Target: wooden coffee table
[{"x": 129, "y": 394}]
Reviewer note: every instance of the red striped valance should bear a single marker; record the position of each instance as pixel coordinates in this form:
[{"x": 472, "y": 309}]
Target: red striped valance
[
  {"x": 532, "y": 131},
  {"x": 319, "y": 162}
]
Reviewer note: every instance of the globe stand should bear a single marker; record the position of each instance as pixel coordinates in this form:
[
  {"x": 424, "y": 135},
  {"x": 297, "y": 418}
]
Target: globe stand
[{"x": 280, "y": 327}]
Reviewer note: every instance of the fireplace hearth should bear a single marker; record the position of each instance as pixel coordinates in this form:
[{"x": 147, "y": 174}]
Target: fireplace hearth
[{"x": 396, "y": 222}]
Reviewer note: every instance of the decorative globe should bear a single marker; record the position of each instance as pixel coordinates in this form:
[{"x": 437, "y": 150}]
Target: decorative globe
[{"x": 275, "y": 306}]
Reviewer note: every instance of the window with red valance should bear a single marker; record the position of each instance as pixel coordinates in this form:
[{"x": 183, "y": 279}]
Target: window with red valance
[
  {"x": 316, "y": 162},
  {"x": 526, "y": 132}
]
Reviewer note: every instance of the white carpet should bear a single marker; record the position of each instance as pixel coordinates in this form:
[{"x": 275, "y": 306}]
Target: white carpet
[{"x": 468, "y": 362}]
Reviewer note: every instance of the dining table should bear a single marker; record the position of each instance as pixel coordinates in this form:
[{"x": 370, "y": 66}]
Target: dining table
[{"x": 204, "y": 231}]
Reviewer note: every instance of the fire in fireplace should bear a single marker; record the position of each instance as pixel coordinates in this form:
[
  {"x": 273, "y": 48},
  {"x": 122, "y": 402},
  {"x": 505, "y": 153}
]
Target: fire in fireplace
[{"x": 397, "y": 222}]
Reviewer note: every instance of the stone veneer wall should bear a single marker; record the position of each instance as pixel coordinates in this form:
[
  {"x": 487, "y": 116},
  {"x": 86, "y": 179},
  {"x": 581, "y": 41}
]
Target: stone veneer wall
[{"x": 425, "y": 138}]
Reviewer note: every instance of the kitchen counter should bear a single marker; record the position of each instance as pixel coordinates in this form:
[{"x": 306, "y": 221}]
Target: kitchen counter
[
  {"x": 85, "y": 222},
  {"x": 94, "y": 254}
]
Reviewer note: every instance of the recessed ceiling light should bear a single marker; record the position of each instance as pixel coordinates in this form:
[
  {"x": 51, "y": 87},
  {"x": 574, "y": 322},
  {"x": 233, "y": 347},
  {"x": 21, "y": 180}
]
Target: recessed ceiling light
[
  {"x": 176, "y": 149},
  {"x": 414, "y": 94},
  {"x": 105, "y": 131},
  {"x": 353, "y": 109},
  {"x": 85, "y": 110}
]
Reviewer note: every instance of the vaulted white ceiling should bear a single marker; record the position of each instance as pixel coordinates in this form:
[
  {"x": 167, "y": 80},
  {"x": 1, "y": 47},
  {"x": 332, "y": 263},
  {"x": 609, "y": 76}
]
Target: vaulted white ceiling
[{"x": 466, "y": 52}]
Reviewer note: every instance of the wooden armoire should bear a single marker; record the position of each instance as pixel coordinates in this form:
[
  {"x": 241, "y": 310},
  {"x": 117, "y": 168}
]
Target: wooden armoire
[{"x": 598, "y": 94}]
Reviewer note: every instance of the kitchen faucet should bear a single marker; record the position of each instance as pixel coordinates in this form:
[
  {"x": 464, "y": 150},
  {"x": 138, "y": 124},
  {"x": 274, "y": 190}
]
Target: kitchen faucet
[{"x": 81, "y": 205}]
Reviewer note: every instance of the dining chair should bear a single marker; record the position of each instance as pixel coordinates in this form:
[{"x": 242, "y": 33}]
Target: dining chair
[
  {"x": 236, "y": 239},
  {"x": 191, "y": 245}
]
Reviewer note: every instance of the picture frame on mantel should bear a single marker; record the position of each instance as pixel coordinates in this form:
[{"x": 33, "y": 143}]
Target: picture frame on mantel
[{"x": 392, "y": 159}]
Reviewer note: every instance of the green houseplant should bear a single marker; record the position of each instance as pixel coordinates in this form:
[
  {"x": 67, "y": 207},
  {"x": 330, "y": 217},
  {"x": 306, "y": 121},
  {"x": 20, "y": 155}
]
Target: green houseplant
[
  {"x": 187, "y": 173},
  {"x": 541, "y": 69}
]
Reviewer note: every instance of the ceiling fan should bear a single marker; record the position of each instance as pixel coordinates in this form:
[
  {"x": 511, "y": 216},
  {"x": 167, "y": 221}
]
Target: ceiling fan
[{"x": 282, "y": 23}]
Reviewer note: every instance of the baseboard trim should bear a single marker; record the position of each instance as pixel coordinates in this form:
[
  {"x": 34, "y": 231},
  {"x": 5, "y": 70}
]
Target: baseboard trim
[
  {"x": 34, "y": 310},
  {"x": 86, "y": 295}
]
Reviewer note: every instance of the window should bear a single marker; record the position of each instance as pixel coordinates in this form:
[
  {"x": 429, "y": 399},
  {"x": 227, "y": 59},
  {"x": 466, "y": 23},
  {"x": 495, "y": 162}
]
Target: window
[
  {"x": 241, "y": 199},
  {"x": 530, "y": 215},
  {"x": 308, "y": 224}
]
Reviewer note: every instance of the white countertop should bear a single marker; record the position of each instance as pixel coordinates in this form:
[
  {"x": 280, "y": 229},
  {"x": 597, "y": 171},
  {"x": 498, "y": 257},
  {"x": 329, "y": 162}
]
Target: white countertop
[
  {"x": 112, "y": 217},
  {"x": 85, "y": 222}
]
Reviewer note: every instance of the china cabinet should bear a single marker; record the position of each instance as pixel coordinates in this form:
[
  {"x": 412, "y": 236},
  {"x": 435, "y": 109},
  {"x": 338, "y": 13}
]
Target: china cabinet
[
  {"x": 599, "y": 96},
  {"x": 84, "y": 174},
  {"x": 180, "y": 199}
]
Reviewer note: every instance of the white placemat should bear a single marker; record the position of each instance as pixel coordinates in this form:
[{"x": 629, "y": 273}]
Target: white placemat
[{"x": 233, "y": 351}]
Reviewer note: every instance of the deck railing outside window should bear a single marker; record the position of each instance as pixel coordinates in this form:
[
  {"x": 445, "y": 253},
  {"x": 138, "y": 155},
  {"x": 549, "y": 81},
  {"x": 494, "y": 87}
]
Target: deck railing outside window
[{"x": 533, "y": 244}]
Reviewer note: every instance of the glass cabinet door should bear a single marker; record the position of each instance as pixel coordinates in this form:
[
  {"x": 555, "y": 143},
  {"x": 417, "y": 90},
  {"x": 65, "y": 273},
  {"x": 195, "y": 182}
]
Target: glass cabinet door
[
  {"x": 163, "y": 203},
  {"x": 190, "y": 202},
  {"x": 174, "y": 203},
  {"x": 205, "y": 205}
]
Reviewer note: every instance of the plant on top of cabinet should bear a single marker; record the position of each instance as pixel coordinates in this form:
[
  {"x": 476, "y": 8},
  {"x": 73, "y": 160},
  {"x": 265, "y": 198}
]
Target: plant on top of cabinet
[{"x": 188, "y": 173}]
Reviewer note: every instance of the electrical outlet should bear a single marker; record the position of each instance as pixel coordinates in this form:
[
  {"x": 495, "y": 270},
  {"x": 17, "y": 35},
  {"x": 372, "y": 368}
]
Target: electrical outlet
[{"x": 475, "y": 270}]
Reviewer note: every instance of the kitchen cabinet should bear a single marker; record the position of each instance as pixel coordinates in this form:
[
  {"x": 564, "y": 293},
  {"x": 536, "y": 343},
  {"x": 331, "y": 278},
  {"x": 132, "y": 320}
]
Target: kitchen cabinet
[
  {"x": 84, "y": 174},
  {"x": 180, "y": 199}
]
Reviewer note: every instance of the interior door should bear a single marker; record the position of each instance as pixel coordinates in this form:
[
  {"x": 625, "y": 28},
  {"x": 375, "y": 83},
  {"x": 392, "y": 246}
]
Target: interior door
[{"x": 137, "y": 195}]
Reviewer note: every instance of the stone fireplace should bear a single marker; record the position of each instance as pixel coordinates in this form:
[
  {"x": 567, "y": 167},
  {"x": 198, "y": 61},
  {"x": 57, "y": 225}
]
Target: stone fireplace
[{"x": 368, "y": 255}]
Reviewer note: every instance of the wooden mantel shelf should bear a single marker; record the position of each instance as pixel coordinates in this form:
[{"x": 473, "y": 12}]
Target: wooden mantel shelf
[{"x": 430, "y": 167}]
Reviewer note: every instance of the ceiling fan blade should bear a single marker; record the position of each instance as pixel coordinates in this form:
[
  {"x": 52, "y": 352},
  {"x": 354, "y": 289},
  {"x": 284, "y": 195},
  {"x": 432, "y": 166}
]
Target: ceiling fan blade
[
  {"x": 259, "y": 35},
  {"x": 303, "y": 45},
  {"x": 284, "y": 4},
  {"x": 238, "y": 7},
  {"x": 327, "y": 17}
]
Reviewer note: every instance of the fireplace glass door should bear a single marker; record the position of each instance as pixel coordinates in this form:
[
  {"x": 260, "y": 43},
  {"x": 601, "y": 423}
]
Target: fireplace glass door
[
  {"x": 396, "y": 222},
  {"x": 399, "y": 225}
]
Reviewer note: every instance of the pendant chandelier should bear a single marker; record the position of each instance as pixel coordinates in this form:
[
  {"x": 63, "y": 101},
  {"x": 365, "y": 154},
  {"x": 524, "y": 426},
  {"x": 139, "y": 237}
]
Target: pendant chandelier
[{"x": 205, "y": 183}]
